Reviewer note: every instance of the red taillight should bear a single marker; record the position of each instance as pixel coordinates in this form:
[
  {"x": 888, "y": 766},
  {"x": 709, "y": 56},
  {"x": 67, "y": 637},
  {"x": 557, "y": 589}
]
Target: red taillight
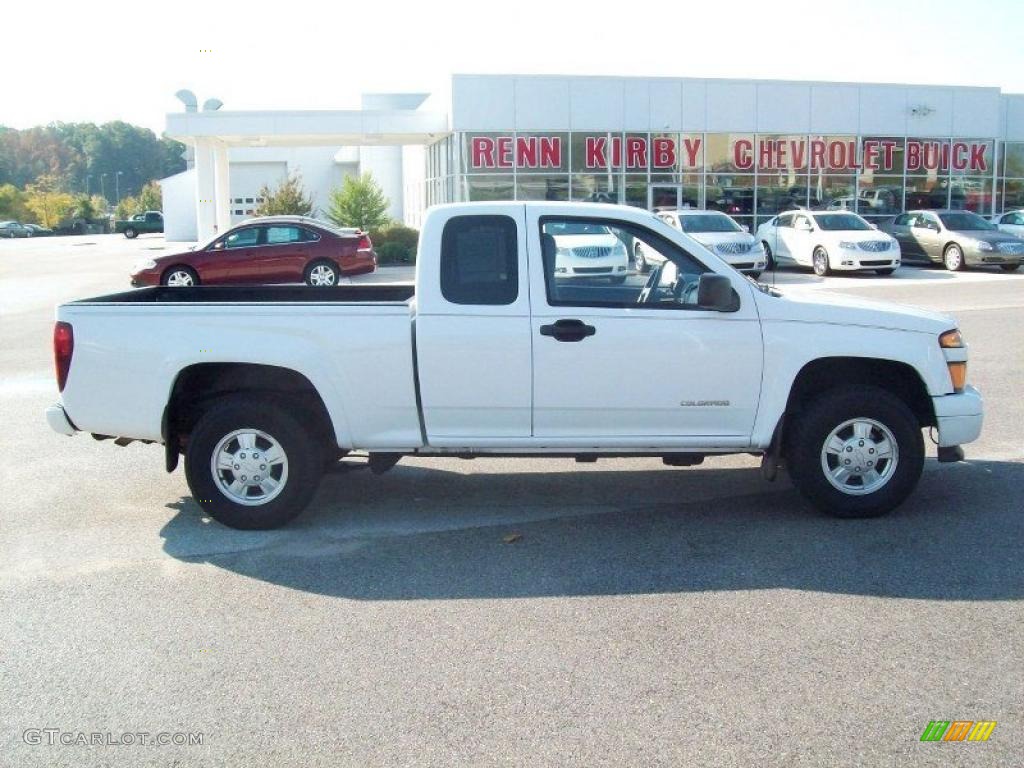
[
  {"x": 365, "y": 244},
  {"x": 63, "y": 348}
]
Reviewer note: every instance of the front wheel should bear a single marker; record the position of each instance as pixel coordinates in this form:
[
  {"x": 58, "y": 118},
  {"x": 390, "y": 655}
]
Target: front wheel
[
  {"x": 819, "y": 261},
  {"x": 953, "y": 258},
  {"x": 1009, "y": 267},
  {"x": 769, "y": 258},
  {"x": 251, "y": 465},
  {"x": 855, "y": 452},
  {"x": 180, "y": 277},
  {"x": 131, "y": 233},
  {"x": 884, "y": 272},
  {"x": 754, "y": 275}
]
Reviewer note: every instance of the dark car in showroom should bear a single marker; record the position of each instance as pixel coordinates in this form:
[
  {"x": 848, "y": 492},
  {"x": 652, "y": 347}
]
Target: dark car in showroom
[
  {"x": 955, "y": 239},
  {"x": 272, "y": 249}
]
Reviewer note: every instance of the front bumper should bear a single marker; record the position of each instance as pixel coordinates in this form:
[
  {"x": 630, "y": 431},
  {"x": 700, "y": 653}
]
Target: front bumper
[
  {"x": 959, "y": 417},
  {"x": 58, "y": 420}
]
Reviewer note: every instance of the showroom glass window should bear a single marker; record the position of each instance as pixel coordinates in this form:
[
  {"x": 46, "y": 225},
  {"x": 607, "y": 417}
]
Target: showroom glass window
[
  {"x": 730, "y": 160},
  {"x": 781, "y": 164},
  {"x": 880, "y": 180},
  {"x": 1011, "y": 181}
]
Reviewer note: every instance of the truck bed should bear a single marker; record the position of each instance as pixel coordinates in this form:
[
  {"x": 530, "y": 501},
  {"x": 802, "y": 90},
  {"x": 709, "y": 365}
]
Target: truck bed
[{"x": 380, "y": 293}]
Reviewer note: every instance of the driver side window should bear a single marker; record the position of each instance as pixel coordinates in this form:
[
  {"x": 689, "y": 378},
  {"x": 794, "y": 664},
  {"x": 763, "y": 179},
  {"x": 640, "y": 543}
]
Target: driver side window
[{"x": 604, "y": 263}]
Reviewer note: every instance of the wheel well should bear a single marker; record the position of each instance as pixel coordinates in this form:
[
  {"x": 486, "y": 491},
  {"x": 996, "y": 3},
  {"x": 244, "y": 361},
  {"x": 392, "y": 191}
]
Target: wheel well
[
  {"x": 198, "y": 386},
  {"x": 833, "y": 372},
  {"x": 952, "y": 242}
]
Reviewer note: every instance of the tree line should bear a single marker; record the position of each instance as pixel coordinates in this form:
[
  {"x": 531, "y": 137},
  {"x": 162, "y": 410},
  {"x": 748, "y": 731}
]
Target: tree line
[{"x": 81, "y": 161}]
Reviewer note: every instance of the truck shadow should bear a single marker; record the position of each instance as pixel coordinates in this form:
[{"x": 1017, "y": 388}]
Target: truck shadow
[{"x": 429, "y": 533}]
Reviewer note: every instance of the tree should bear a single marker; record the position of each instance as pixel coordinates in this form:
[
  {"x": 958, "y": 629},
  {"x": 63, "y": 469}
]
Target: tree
[
  {"x": 12, "y": 203},
  {"x": 127, "y": 207},
  {"x": 360, "y": 202},
  {"x": 47, "y": 200},
  {"x": 287, "y": 199},
  {"x": 84, "y": 208},
  {"x": 151, "y": 198}
]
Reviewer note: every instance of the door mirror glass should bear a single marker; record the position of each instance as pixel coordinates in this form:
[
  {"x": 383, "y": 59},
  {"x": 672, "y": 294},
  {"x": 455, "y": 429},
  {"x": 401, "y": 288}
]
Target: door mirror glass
[{"x": 715, "y": 292}]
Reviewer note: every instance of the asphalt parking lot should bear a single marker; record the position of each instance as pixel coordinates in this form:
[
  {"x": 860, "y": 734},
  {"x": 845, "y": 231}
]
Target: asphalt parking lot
[{"x": 643, "y": 616}]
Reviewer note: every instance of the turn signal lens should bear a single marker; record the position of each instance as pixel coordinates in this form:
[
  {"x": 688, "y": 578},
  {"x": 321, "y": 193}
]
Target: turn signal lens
[
  {"x": 951, "y": 340},
  {"x": 958, "y": 375}
]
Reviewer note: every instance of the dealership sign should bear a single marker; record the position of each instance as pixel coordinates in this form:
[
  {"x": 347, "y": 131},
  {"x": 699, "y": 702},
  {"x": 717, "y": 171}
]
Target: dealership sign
[{"x": 536, "y": 152}]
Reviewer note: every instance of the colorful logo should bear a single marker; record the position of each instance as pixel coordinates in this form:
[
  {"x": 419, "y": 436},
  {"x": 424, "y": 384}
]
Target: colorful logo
[{"x": 958, "y": 730}]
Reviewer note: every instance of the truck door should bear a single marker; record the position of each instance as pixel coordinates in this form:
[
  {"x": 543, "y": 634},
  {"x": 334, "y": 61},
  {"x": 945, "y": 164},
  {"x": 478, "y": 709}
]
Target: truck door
[
  {"x": 472, "y": 328},
  {"x": 636, "y": 364}
]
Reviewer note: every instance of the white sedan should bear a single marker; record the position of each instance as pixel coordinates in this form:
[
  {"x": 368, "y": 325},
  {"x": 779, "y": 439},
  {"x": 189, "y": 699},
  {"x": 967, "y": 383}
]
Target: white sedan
[
  {"x": 1011, "y": 222},
  {"x": 828, "y": 241},
  {"x": 588, "y": 250}
]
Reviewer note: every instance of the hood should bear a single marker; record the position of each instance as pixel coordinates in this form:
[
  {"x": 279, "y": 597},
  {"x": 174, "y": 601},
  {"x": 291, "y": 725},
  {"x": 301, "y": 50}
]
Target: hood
[
  {"x": 858, "y": 235},
  {"x": 813, "y": 306},
  {"x": 711, "y": 239},
  {"x": 994, "y": 236},
  {"x": 587, "y": 241}
]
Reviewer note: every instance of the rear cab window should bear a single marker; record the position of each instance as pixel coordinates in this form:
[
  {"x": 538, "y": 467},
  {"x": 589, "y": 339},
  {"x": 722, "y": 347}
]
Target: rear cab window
[{"x": 480, "y": 260}]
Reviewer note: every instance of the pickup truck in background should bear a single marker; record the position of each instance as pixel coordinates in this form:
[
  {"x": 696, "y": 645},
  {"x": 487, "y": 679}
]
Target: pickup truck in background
[
  {"x": 494, "y": 352},
  {"x": 150, "y": 221}
]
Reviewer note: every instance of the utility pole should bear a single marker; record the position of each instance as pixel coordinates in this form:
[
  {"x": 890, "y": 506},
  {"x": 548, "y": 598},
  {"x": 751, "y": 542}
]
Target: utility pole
[{"x": 117, "y": 185}]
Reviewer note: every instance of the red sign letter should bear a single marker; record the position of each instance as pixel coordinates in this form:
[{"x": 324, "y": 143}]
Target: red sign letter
[
  {"x": 742, "y": 151},
  {"x": 550, "y": 152},
  {"x": 664, "y": 153},
  {"x": 692, "y": 147},
  {"x": 483, "y": 152},
  {"x": 595, "y": 152}
]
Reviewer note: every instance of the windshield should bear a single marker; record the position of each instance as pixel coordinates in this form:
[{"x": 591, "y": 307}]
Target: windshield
[
  {"x": 841, "y": 222},
  {"x": 575, "y": 228},
  {"x": 708, "y": 222},
  {"x": 965, "y": 220}
]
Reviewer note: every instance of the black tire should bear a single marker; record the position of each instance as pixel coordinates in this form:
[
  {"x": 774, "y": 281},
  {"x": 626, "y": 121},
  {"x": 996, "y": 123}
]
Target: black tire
[
  {"x": 1009, "y": 267},
  {"x": 819, "y": 262},
  {"x": 131, "y": 233},
  {"x": 319, "y": 265},
  {"x": 304, "y": 462},
  {"x": 618, "y": 280},
  {"x": 169, "y": 277},
  {"x": 885, "y": 272},
  {"x": 953, "y": 257},
  {"x": 814, "y": 425},
  {"x": 769, "y": 259},
  {"x": 755, "y": 275}
]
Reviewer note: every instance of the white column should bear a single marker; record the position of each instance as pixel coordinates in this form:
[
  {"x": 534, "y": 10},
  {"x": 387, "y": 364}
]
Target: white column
[
  {"x": 205, "y": 213},
  {"x": 222, "y": 187}
]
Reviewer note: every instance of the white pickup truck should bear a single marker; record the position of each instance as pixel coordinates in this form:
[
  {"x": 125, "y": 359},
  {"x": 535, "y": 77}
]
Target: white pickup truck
[{"x": 498, "y": 351}]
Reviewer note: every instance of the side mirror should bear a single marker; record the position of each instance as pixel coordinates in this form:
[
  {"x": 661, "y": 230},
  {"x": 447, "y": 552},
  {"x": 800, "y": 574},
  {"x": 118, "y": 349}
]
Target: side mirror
[
  {"x": 803, "y": 226},
  {"x": 873, "y": 226},
  {"x": 746, "y": 228},
  {"x": 715, "y": 292},
  {"x": 219, "y": 245}
]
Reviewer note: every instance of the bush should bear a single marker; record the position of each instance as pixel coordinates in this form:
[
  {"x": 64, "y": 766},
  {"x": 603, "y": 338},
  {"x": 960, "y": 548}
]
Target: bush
[
  {"x": 359, "y": 202},
  {"x": 287, "y": 199},
  {"x": 395, "y": 244}
]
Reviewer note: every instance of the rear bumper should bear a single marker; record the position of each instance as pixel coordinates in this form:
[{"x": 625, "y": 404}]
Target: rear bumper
[
  {"x": 959, "y": 417},
  {"x": 58, "y": 420}
]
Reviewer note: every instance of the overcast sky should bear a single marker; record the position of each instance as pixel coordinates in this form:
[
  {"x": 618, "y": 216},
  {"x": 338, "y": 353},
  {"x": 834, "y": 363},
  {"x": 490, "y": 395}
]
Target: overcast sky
[{"x": 103, "y": 61}]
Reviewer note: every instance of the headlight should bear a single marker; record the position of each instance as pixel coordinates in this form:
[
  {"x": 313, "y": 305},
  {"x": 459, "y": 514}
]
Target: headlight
[
  {"x": 757, "y": 246},
  {"x": 619, "y": 250},
  {"x": 141, "y": 265},
  {"x": 847, "y": 245},
  {"x": 565, "y": 253},
  {"x": 983, "y": 246}
]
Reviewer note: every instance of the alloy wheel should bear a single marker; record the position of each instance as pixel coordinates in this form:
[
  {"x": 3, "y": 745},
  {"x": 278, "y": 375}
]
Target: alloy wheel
[
  {"x": 249, "y": 467},
  {"x": 859, "y": 456}
]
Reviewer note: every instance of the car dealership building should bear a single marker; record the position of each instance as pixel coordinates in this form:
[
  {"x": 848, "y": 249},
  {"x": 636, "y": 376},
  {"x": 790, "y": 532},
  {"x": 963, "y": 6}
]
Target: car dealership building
[{"x": 748, "y": 147}]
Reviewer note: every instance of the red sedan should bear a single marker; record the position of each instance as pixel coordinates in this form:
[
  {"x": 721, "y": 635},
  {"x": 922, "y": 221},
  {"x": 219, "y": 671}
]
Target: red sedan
[{"x": 274, "y": 249}]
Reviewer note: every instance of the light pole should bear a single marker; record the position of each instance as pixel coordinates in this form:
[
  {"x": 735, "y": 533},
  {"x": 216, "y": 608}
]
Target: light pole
[
  {"x": 117, "y": 185},
  {"x": 102, "y": 190}
]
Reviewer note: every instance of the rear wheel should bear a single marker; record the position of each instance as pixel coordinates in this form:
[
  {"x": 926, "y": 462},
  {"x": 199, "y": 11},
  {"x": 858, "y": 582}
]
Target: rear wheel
[
  {"x": 131, "y": 233},
  {"x": 1009, "y": 267},
  {"x": 953, "y": 257},
  {"x": 251, "y": 465},
  {"x": 855, "y": 452},
  {"x": 769, "y": 259},
  {"x": 819, "y": 261},
  {"x": 322, "y": 273},
  {"x": 884, "y": 272},
  {"x": 180, "y": 277}
]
